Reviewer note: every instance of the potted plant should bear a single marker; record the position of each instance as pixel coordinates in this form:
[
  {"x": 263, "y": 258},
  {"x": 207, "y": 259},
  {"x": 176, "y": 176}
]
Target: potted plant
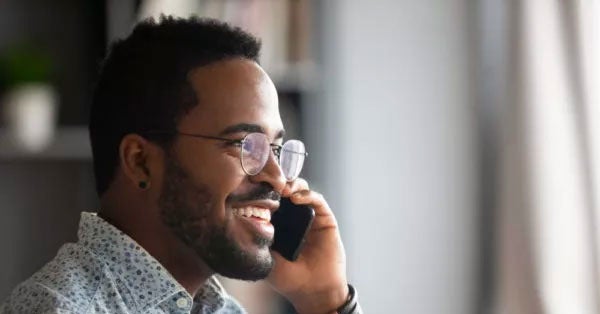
[{"x": 29, "y": 101}]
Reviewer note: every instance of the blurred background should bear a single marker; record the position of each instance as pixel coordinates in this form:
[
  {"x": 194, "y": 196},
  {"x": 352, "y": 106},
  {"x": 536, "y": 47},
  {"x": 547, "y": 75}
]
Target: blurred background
[{"x": 457, "y": 141}]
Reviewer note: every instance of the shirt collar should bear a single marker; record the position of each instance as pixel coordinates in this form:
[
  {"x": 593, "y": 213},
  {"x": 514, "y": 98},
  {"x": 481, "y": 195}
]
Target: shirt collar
[{"x": 149, "y": 283}]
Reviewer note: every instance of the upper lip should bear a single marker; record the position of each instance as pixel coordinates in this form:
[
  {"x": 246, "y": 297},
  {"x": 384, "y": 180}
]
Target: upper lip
[{"x": 268, "y": 204}]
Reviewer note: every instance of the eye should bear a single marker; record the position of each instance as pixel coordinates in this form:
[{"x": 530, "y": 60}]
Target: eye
[
  {"x": 247, "y": 145},
  {"x": 238, "y": 140},
  {"x": 233, "y": 143},
  {"x": 276, "y": 149}
]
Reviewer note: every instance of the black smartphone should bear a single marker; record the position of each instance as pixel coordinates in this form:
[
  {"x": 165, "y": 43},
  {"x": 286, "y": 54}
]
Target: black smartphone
[{"x": 291, "y": 223}]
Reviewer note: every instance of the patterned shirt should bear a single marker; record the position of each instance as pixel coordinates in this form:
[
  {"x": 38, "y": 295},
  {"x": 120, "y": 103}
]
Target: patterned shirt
[{"x": 108, "y": 272}]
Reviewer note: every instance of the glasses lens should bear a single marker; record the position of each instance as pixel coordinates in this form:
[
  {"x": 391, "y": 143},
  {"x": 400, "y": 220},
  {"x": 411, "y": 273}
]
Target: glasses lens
[
  {"x": 292, "y": 159},
  {"x": 255, "y": 152}
]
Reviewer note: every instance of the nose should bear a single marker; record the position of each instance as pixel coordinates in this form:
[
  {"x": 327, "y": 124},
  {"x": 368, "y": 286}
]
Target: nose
[{"x": 271, "y": 174}]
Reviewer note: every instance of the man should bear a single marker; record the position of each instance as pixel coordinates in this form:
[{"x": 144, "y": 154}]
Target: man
[{"x": 186, "y": 135}]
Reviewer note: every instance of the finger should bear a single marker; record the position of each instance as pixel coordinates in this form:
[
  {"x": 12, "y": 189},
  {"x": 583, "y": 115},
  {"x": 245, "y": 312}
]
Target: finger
[
  {"x": 313, "y": 199},
  {"x": 324, "y": 217},
  {"x": 294, "y": 186}
]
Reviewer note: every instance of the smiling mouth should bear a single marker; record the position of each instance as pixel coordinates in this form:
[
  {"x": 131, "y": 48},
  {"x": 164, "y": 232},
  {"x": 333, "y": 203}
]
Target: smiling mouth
[{"x": 253, "y": 212}]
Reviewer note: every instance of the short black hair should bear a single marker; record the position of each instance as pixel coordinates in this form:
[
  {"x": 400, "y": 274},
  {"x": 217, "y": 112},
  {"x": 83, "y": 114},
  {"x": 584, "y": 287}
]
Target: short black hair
[{"x": 143, "y": 83}]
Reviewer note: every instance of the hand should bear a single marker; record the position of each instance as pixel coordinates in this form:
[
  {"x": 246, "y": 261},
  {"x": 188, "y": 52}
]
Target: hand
[{"x": 316, "y": 282}]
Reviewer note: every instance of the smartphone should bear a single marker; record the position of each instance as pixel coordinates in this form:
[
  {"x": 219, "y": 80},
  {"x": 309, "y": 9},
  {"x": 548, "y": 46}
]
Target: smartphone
[{"x": 291, "y": 223}]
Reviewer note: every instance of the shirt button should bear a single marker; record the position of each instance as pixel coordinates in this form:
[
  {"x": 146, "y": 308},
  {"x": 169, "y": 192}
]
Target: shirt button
[{"x": 182, "y": 303}]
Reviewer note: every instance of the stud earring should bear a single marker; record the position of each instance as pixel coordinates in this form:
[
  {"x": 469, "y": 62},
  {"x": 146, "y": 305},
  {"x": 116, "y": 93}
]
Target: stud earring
[{"x": 143, "y": 185}]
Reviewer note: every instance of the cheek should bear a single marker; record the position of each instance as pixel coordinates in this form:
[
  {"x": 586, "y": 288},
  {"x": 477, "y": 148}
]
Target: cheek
[
  {"x": 220, "y": 171},
  {"x": 223, "y": 177}
]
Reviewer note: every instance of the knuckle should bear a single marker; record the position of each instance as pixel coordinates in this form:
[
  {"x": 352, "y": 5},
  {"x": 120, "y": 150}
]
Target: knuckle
[
  {"x": 301, "y": 183},
  {"x": 318, "y": 196}
]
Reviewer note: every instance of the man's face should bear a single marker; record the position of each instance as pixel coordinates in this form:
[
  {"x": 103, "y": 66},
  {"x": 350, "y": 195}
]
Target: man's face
[{"x": 206, "y": 196}]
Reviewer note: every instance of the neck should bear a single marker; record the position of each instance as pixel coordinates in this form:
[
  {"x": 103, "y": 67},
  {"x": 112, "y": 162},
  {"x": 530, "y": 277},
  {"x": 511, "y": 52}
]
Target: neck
[{"x": 143, "y": 224}]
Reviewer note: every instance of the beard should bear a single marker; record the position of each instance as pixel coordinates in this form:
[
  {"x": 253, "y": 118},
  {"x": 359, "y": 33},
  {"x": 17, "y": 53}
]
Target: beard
[{"x": 189, "y": 211}]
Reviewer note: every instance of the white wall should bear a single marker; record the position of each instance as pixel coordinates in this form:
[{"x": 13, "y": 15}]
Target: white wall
[{"x": 393, "y": 149}]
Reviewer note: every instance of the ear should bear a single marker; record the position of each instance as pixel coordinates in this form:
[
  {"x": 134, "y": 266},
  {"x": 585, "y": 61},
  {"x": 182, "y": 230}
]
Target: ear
[{"x": 137, "y": 157}]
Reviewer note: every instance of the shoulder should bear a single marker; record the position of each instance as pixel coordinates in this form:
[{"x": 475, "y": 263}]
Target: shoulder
[
  {"x": 32, "y": 297},
  {"x": 66, "y": 284}
]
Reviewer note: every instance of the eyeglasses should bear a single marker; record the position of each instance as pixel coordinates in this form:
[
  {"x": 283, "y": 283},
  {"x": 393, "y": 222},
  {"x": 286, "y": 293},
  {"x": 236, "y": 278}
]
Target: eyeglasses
[{"x": 255, "y": 149}]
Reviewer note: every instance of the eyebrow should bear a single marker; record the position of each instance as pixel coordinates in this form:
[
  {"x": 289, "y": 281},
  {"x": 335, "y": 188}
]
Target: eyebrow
[{"x": 249, "y": 128}]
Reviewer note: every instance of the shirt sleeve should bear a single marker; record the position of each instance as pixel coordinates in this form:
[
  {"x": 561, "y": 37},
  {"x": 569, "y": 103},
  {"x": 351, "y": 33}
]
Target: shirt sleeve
[{"x": 31, "y": 297}]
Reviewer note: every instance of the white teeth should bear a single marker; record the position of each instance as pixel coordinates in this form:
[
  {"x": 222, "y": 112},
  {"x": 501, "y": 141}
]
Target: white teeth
[{"x": 261, "y": 213}]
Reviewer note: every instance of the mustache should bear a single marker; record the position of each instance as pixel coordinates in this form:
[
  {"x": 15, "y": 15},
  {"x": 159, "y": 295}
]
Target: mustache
[{"x": 262, "y": 192}]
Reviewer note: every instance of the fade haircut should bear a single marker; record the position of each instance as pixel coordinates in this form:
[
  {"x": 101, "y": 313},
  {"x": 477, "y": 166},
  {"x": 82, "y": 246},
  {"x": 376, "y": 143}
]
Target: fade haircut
[{"x": 143, "y": 83}]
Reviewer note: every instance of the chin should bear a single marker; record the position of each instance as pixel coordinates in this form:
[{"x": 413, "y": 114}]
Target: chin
[
  {"x": 232, "y": 259},
  {"x": 248, "y": 266}
]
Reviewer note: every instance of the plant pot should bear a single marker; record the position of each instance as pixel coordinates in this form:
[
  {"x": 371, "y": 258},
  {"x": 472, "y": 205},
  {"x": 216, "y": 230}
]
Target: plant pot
[{"x": 30, "y": 112}]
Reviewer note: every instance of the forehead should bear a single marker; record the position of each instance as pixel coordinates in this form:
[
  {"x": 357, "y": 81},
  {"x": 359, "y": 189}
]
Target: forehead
[{"x": 232, "y": 92}]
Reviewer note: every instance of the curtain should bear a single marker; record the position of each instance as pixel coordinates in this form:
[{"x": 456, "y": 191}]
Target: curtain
[{"x": 546, "y": 211}]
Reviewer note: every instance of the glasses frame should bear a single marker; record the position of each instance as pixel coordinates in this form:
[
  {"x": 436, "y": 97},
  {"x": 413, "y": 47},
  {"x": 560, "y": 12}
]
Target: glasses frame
[{"x": 275, "y": 148}]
